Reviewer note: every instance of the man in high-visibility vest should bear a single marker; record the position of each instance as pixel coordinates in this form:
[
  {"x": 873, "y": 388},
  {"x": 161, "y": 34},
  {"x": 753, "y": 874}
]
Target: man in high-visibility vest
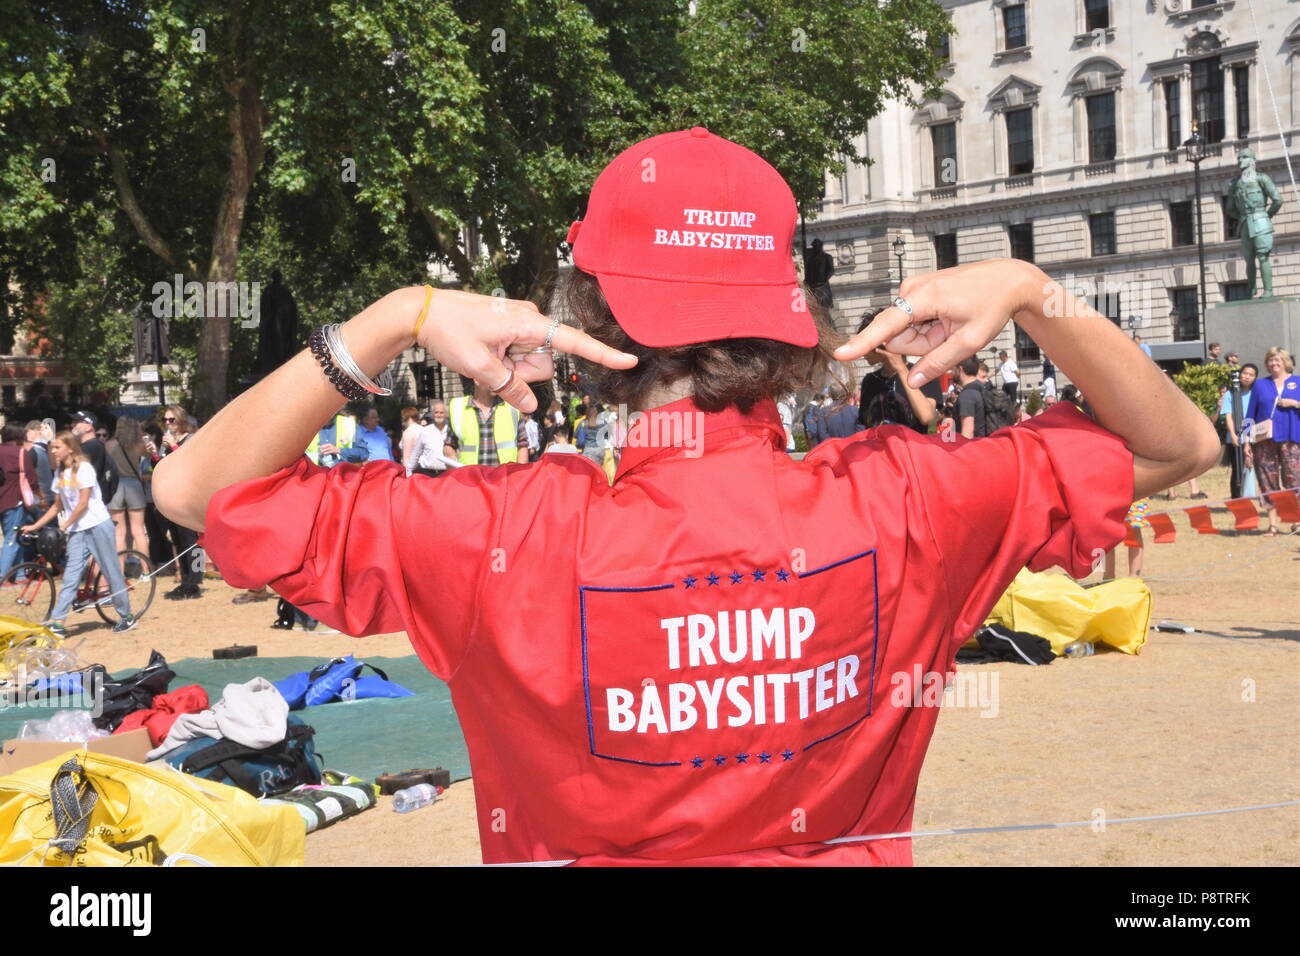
[
  {"x": 485, "y": 430},
  {"x": 337, "y": 442}
]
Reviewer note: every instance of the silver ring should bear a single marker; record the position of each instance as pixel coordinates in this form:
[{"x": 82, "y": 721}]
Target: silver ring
[
  {"x": 509, "y": 378},
  {"x": 550, "y": 333},
  {"x": 902, "y": 305}
]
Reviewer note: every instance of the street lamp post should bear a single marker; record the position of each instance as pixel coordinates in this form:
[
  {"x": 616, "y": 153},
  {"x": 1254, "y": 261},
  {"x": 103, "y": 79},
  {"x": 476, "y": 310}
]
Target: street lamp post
[
  {"x": 899, "y": 246},
  {"x": 1195, "y": 146}
]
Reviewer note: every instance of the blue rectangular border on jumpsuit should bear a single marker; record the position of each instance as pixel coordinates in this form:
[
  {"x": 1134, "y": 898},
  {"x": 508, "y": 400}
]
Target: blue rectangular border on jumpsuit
[{"x": 588, "y": 592}]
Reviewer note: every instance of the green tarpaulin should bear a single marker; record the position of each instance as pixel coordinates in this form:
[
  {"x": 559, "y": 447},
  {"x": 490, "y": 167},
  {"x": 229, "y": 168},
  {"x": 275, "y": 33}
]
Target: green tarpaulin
[{"x": 363, "y": 737}]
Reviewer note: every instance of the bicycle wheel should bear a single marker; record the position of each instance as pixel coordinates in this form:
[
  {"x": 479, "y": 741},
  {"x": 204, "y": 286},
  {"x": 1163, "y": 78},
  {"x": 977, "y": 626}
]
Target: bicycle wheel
[
  {"x": 140, "y": 584},
  {"x": 27, "y": 592}
]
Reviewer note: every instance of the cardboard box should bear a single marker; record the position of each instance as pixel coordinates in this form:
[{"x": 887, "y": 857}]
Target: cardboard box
[{"x": 18, "y": 753}]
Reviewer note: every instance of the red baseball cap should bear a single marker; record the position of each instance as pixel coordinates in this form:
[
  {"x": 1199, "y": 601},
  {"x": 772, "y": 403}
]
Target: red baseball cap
[{"x": 689, "y": 236}]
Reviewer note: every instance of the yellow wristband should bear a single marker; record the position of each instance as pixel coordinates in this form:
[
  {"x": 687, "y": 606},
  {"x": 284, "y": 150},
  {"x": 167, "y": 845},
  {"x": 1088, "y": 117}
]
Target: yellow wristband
[{"x": 428, "y": 297}]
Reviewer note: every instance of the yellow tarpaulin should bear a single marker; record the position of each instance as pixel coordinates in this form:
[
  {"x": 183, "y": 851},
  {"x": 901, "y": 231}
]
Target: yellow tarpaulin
[
  {"x": 140, "y": 815},
  {"x": 1058, "y": 608}
]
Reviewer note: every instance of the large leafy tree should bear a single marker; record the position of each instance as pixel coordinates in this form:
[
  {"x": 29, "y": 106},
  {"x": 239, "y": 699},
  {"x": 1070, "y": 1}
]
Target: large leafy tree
[
  {"x": 354, "y": 140},
  {"x": 168, "y": 109}
]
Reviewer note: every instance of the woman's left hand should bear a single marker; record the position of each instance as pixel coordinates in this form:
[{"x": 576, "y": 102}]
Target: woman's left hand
[{"x": 490, "y": 337}]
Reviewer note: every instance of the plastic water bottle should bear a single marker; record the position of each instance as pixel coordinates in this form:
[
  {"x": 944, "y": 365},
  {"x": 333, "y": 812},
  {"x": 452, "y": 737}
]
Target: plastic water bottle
[
  {"x": 1079, "y": 649},
  {"x": 413, "y": 798}
]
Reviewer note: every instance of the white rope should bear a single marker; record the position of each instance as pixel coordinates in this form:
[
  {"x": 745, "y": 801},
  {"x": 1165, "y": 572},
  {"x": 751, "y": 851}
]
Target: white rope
[
  {"x": 108, "y": 598},
  {"x": 962, "y": 831},
  {"x": 1277, "y": 117}
]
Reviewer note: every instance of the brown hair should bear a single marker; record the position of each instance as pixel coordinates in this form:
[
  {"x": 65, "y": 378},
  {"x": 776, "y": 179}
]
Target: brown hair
[
  {"x": 130, "y": 436},
  {"x": 722, "y": 373},
  {"x": 410, "y": 414}
]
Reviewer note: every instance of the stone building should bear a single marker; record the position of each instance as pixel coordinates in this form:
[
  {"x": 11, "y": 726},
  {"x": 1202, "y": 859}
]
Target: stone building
[{"x": 1058, "y": 137}]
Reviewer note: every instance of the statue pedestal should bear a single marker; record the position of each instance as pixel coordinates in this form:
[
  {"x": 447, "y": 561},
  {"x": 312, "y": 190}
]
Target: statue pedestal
[
  {"x": 1250, "y": 327},
  {"x": 140, "y": 385}
]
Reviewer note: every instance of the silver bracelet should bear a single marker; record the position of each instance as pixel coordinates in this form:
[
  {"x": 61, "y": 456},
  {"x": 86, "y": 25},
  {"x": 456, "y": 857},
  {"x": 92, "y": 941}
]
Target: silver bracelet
[{"x": 333, "y": 335}]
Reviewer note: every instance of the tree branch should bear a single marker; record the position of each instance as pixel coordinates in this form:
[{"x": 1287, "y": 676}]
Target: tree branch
[
  {"x": 131, "y": 204},
  {"x": 447, "y": 243}
]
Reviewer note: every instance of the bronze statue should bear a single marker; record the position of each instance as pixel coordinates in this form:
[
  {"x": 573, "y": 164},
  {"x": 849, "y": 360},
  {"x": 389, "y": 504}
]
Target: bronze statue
[{"x": 1254, "y": 200}]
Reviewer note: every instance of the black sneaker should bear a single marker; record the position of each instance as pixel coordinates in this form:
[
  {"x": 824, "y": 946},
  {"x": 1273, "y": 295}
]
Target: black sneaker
[
  {"x": 125, "y": 624},
  {"x": 176, "y": 593}
]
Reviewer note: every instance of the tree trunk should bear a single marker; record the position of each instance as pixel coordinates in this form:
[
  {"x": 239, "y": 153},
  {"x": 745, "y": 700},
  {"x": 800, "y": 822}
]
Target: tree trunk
[{"x": 246, "y": 119}]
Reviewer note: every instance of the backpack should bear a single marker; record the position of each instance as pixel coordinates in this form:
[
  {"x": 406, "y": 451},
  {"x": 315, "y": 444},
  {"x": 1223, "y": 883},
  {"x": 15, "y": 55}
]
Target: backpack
[
  {"x": 272, "y": 770},
  {"x": 999, "y": 411},
  {"x": 108, "y": 477}
]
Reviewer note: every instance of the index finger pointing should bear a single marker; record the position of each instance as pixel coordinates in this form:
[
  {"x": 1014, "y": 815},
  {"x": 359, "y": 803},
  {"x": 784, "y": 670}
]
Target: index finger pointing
[
  {"x": 888, "y": 323},
  {"x": 575, "y": 342}
]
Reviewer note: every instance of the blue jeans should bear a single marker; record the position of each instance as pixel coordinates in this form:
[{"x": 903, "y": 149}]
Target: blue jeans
[
  {"x": 101, "y": 541},
  {"x": 11, "y": 521}
]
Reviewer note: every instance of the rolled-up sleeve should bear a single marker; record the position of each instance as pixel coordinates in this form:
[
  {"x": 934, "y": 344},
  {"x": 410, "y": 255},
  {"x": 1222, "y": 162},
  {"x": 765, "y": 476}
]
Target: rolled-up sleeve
[
  {"x": 1051, "y": 491},
  {"x": 365, "y": 549}
]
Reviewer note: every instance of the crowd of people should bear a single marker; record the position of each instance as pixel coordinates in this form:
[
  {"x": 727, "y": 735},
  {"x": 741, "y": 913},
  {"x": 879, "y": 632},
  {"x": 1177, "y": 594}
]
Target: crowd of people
[
  {"x": 39, "y": 465},
  {"x": 1263, "y": 421},
  {"x": 93, "y": 486}
]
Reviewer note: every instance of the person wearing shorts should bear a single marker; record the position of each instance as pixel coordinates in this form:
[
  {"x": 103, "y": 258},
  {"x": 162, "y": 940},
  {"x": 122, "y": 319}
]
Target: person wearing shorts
[{"x": 127, "y": 506}]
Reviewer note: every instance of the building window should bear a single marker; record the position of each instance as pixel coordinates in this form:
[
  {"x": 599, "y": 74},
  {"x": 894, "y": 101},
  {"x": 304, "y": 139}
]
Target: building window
[
  {"x": 1186, "y": 326},
  {"x": 943, "y": 47},
  {"x": 1241, "y": 87},
  {"x": 1102, "y": 227},
  {"x": 1207, "y": 98},
  {"x": 1173, "y": 115},
  {"x": 1020, "y": 141},
  {"x": 1229, "y": 220},
  {"x": 1022, "y": 241},
  {"x": 1096, "y": 14},
  {"x": 945, "y": 250},
  {"x": 1026, "y": 348},
  {"x": 1182, "y": 229},
  {"x": 1013, "y": 22},
  {"x": 1203, "y": 3},
  {"x": 1236, "y": 291},
  {"x": 943, "y": 137},
  {"x": 1101, "y": 127},
  {"x": 1108, "y": 304}
]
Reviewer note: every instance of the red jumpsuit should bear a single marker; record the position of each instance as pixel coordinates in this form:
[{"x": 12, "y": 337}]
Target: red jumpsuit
[{"x": 695, "y": 664}]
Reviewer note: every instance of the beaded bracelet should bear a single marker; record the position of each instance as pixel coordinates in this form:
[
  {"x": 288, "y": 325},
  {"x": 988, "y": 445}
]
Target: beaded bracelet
[{"x": 351, "y": 390}]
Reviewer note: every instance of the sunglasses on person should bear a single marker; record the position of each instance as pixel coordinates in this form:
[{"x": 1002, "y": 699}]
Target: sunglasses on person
[
  {"x": 169, "y": 419},
  {"x": 102, "y": 434}
]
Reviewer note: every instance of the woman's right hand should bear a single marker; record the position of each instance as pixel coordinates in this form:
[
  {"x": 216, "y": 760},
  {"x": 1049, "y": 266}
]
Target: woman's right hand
[{"x": 486, "y": 337}]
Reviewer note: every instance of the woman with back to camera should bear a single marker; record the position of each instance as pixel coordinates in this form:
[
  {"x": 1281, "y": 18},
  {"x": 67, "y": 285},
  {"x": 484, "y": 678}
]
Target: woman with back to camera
[
  {"x": 128, "y": 502},
  {"x": 710, "y": 638}
]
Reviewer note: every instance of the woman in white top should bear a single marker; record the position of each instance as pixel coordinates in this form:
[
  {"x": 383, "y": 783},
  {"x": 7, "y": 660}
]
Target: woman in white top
[
  {"x": 410, "y": 432},
  {"x": 89, "y": 530}
]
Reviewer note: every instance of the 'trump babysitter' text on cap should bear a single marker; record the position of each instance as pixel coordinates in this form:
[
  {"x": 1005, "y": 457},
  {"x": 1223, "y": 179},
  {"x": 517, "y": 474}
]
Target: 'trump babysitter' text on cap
[{"x": 689, "y": 236}]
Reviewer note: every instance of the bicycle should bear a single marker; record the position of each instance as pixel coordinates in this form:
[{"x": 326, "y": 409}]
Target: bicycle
[{"x": 28, "y": 590}]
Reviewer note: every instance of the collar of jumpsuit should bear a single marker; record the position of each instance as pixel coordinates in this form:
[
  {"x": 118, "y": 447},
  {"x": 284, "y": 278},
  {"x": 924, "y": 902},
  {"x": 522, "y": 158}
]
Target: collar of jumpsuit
[{"x": 726, "y": 657}]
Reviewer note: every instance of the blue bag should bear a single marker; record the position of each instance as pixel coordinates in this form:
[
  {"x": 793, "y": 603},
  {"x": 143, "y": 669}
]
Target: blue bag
[{"x": 337, "y": 680}]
